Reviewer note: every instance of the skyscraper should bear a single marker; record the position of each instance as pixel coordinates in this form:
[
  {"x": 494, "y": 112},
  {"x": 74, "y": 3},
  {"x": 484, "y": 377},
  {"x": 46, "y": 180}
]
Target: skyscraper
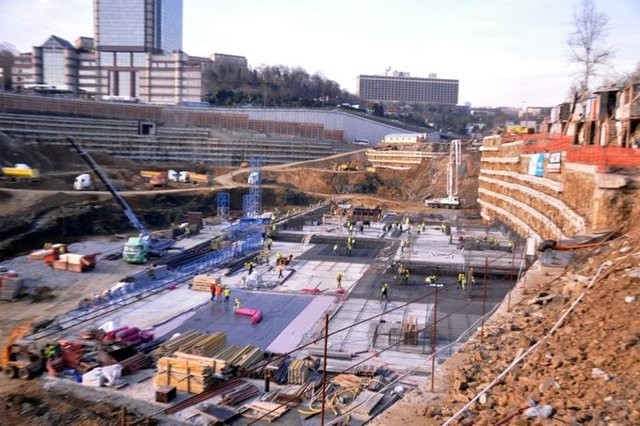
[
  {"x": 130, "y": 34},
  {"x": 152, "y": 26},
  {"x": 136, "y": 56}
]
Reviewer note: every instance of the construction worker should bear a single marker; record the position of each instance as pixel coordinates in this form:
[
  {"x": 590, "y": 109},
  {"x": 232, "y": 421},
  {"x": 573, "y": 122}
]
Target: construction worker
[
  {"x": 402, "y": 244},
  {"x": 278, "y": 257},
  {"x": 336, "y": 249},
  {"x": 236, "y": 304},
  {"x": 405, "y": 275},
  {"x": 384, "y": 292},
  {"x": 219, "y": 292},
  {"x": 226, "y": 293},
  {"x": 280, "y": 269},
  {"x": 250, "y": 267},
  {"x": 339, "y": 279},
  {"x": 462, "y": 280},
  {"x": 510, "y": 246},
  {"x": 349, "y": 248},
  {"x": 212, "y": 289},
  {"x": 472, "y": 278},
  {"x": 431, "y": 279},
  {"x": 268, "y": 242}
]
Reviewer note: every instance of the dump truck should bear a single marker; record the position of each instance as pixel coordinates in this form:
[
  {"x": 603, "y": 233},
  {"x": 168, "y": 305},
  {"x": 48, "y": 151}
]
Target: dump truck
[
  {"x": 158, "y": 180},
  {"x": 21, "y": 171},
  {"x": 449, "y": 202}
]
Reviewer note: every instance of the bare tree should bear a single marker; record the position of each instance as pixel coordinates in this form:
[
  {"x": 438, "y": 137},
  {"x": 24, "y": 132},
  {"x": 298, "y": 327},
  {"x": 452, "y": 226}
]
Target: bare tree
[{"x": 587, "y": 43}]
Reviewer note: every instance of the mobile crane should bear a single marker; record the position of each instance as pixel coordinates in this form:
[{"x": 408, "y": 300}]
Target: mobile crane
[
  {"x": 451, "y": 201},
  {"x": 136, "y": 249}
]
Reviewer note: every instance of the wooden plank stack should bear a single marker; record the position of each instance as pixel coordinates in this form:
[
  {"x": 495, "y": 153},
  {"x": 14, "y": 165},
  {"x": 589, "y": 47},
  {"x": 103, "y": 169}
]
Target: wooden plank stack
[
  {"x": 189, "y": 373},
  {"x": 348, "y": 381},
  {"x": 208, "y": 345},
  {"x": 298, "y": 372},
  {"x": 268, "y": 411},
  {"x": 181, "y": 343},
  {"x": 203, "y": 282},
  {"x": 246, "y": 357}
]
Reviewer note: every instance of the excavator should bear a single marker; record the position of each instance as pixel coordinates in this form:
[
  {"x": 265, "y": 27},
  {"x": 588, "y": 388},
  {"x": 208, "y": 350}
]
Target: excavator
[{"x": 21, "y": 358}]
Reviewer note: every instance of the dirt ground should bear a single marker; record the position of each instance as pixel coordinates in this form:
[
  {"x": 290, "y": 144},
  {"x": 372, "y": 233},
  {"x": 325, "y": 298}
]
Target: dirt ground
[{"x": 586, "y": 370}]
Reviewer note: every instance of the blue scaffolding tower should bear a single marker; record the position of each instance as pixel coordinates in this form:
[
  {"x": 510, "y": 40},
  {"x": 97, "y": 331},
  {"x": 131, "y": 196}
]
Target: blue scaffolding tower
[
  {"x": 223, "y": 204},
  {"x": 252, "y": 203}
]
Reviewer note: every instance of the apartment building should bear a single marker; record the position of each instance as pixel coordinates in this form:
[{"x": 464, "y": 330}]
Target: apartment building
[{"x": 402, "y": 88}]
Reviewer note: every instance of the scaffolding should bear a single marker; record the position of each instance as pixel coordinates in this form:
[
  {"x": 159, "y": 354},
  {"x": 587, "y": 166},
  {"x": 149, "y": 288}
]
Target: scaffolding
[
  {"x": 222, "y": 202},
  {"x": 252, "y": 203}
]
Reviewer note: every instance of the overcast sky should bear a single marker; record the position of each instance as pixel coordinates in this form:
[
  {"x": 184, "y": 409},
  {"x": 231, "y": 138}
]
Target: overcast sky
[{"x": 504, "y": 52}]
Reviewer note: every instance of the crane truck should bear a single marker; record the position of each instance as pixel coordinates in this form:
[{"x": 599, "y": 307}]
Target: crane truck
[
  {"x": 451, "y": 201},
  {"x": 136, "y": 249}
]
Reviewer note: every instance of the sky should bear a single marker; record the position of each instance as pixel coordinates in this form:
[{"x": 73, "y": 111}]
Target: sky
[{"x": 503, "y": 52}]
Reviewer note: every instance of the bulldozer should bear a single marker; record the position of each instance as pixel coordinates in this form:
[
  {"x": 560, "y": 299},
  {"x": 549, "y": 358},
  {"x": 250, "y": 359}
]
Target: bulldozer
[
  {"x": 21, "y": 358},
  {"x": 346, "y": 167}
]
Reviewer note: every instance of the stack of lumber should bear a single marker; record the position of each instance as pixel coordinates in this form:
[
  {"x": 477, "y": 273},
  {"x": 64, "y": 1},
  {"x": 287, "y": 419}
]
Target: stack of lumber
[
  {"x": 348, "y": 381},
  {"x": 203, "y": 282},
  {"x": 292, "y": 395},
  {"x": 190, "y": 373},
  {"x": 241, "y": 358},
  {"x": 239, "y": 394},
  {"x": 182, "y": 343},
  {"x": 268, "y": 411},
  {"x": 39, "y": 254},
  {"x": 246, "y": 356},
  {"x": 72, "y": 262},
  {"x": 208, "y": 345},
  {"x": 298, "y": 372}
]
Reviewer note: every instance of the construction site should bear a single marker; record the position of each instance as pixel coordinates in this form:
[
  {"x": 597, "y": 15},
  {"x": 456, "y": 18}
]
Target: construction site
[{"x": 176, "y": 267}]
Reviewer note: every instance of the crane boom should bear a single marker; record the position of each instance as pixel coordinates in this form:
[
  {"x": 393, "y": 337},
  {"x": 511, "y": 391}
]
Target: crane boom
[{"x": 94, "y": 166}]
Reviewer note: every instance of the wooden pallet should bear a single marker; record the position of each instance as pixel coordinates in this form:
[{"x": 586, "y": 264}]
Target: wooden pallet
[{"x": 267, "y": 411}]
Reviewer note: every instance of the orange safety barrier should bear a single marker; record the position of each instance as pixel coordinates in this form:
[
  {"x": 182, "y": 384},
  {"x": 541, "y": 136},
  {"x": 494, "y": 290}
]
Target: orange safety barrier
[
  {"x": 603, "y": 157},
  {"x": 543, "y": 142}
]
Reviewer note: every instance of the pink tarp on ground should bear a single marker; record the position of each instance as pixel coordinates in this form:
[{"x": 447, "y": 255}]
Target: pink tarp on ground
[{"x": 256, "y": 315}]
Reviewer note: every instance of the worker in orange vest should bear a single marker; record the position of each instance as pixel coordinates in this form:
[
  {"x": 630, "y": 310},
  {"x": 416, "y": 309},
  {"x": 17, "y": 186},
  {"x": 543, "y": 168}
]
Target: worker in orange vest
[{"x": 219, "y": 292}]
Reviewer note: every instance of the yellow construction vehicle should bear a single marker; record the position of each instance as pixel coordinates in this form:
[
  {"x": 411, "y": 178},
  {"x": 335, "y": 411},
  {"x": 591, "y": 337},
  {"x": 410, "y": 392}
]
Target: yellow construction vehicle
[
  {"x": 346, "y": 167},
  {"x": 20, "y": 358}
]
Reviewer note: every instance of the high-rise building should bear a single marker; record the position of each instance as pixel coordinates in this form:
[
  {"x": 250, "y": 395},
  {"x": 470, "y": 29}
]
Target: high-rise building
[
  {"x": 136, "y": 56},
  {"x": 132, "y": 38},
  {"x": 152, "y": 26},
  {"x": 401, "y": 88}
]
